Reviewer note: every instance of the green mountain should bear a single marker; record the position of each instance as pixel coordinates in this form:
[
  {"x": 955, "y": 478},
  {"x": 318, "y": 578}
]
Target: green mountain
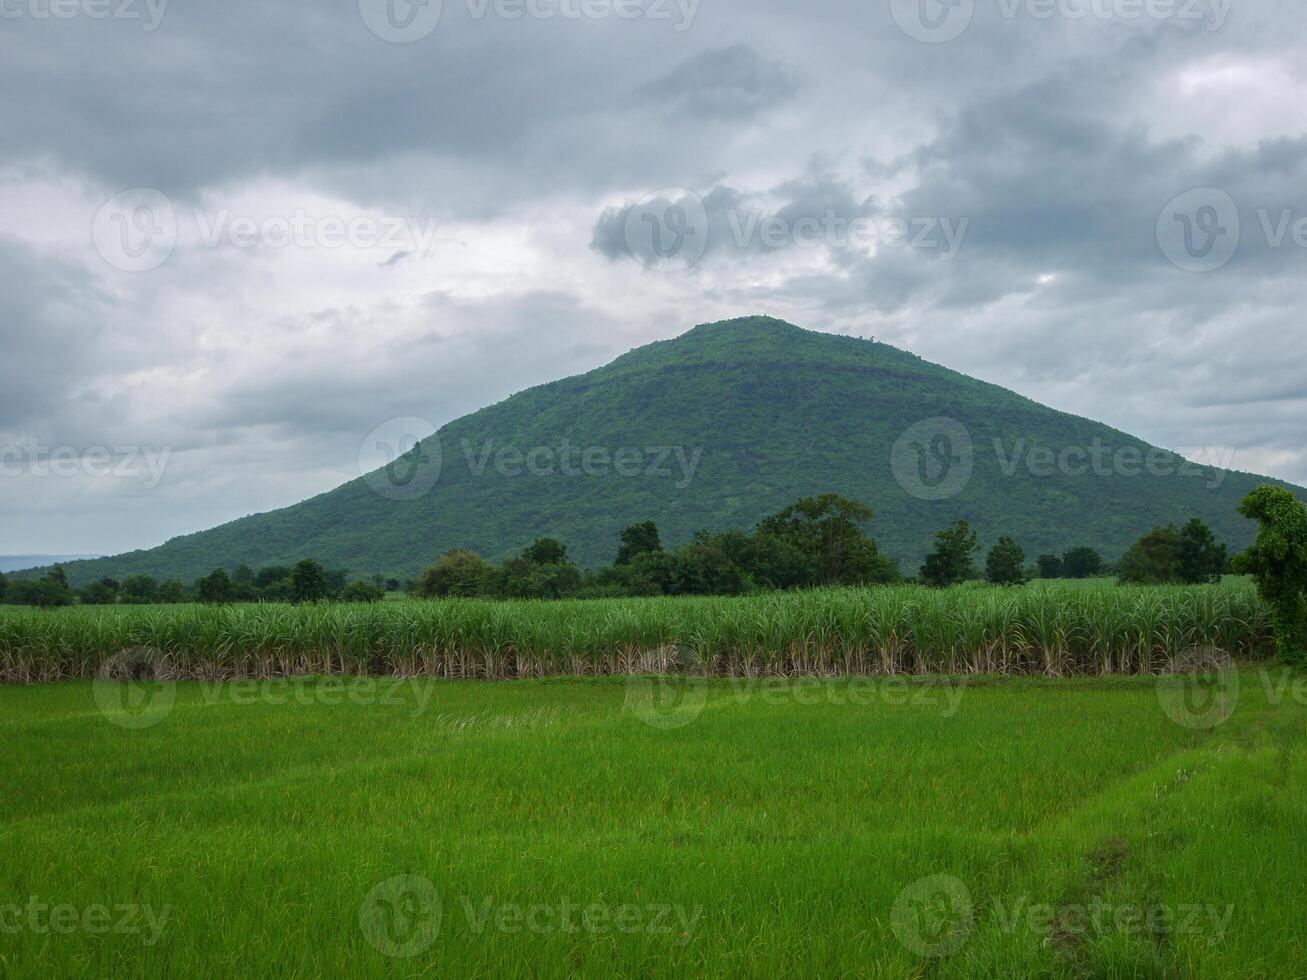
[{"x": 716, "y": 429}]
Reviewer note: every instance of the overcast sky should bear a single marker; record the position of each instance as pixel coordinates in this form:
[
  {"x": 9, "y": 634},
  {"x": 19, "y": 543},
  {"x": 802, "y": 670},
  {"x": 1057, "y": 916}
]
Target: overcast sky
[{"x": 236, "y": 237}]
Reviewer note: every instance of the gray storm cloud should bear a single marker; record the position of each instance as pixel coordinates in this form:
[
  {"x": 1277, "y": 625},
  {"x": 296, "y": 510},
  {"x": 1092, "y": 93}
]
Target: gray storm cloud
[{"x": 1048, "y": 148}]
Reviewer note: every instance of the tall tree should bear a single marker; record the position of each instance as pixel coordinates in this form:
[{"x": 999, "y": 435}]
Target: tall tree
[
  {"x": 140, "y": 590},
  {"x": 98, "y": 594},
  {"x": 310, "y": 582},
  {"x": 1154, "y": 559},
  {"x": 214, "y": 587},
  {"x": 636, "y": 540},
  {"x": 1278, "y": 563},
  {"x": 952, "y": 561},
  {"x": 458, "y": 573},
  {"x": 546, "y": 551},
  {"x": 1006, "y": 564},
  {"x": 1050, "y": 566},
  {"x": 1082, "y": 562},
  {"x": 1202, "y": 558},
  {"x": 823, "y": 538},
  {"x": 172, "y": 591}
]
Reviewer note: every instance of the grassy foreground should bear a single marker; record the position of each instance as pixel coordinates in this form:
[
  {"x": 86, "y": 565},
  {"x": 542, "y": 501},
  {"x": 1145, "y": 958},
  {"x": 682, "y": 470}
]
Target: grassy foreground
[{"x": 610, "y": 827}]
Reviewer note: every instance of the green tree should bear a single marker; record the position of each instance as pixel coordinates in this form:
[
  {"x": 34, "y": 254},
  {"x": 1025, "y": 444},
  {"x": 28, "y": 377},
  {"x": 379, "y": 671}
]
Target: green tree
[
  {"x": 52, "y": 589},
  {"x": 22, "y": 592},
  {"x": 4, "y": 586},
  {"x": 826, "y": 543},
  {"x": 140, "y": 590},
  {"x": 1202, "y": 558},
  {"x": 457, "y": 573},
  {"x": 1154, "y": 559},
  {"x": 1050, "y": 566},
  {"x": 1278, "y": 564},
  {"x": 521, "y": 578},
  {"x": 1082, "y": 562},
  {"x": 546, "y": 551},
  {"x": 705, "y": 567},
  {"x": 98, "y": 594},
  {"x": 1169, "y": 555},
  {"x": 280, "y": 590},
  {"x": 309, "y": 582},
  {"x": 214, "y": 588},
  {"x": 172, "y": 591},
  {"x": 361, "y": 592},
  {"x": 952, "y": 561},
  {"x": 242, "y": 584},
  {"x": 271, "y": 575},
  {"x": 636, "y": 540},
  {"x": 1006, "y": 563},
  {"x": 648, "y": 573},
  {"x": 542, "y": 572}
]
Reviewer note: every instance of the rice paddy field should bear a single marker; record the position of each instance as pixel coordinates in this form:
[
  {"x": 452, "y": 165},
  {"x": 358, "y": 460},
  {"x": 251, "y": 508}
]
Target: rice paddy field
[
  {"x": 656, "y": 827},
  {"x": 842, "y": 784}
]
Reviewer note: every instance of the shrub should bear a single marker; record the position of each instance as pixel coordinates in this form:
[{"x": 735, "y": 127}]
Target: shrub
[{"x": 361, "y": 592}]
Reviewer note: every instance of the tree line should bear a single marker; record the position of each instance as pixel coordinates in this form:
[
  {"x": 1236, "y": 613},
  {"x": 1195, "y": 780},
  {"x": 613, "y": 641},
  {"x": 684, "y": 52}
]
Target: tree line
[
  {"x": 816, "y": 541},
  {"x": 306, "y": 581},
  {"x": 1164, "y": 556}
]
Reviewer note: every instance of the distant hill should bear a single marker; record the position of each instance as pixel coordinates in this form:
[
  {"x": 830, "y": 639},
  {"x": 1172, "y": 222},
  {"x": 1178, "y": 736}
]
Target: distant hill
[
  {"x": 720, "y": 427},
  {"x": 16, "y": 563}
]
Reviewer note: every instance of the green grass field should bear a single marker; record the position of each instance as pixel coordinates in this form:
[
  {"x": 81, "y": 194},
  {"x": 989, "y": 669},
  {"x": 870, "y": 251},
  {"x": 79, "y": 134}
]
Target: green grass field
[{"x": 635, "y": 827}]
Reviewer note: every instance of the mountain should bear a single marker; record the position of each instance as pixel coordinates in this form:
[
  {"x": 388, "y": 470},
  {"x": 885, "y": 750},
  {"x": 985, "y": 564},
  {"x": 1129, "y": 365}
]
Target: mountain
[{"x": 716, "y": 429}]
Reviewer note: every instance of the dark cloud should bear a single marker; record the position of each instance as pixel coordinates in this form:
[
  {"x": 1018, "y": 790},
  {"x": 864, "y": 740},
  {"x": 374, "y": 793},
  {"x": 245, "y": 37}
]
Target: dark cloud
[
  {"x": 51, "y": 316},
  {"x": 1057, "y": 141},
  {"x": 723, "y": 83}
]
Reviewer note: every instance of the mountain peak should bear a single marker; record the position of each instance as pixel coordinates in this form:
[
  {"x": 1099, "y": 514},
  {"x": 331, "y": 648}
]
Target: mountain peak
[
  {"x": 716, "y": 429},
  {"x": 755, "y": 324}
]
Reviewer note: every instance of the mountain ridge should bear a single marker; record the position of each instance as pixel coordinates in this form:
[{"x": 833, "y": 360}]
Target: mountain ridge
[{"x": 773, "y": 411}]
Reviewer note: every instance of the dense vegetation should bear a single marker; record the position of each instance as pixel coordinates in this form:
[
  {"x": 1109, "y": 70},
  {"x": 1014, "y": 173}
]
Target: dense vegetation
[
  {"x": 817, "y": 541},
  {"x": 1169, "y": 555},
  {"x": 789, "y": 821},
  {"x": 1278, "y": 563},
  {"x": 1042, "y": 629},
  {"x": 761, "y": 414},
  {"x": 814, "y": 542},
  {"x": 306, "y": 581}
]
